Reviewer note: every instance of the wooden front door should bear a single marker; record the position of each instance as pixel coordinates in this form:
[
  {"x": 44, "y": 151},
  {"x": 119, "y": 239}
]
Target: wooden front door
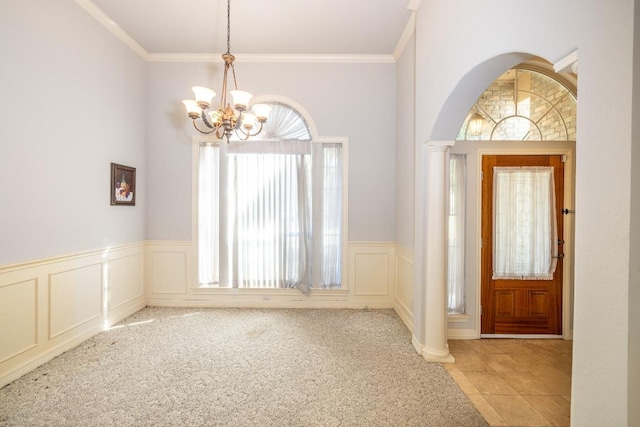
[{"x": 512, "y": 306}]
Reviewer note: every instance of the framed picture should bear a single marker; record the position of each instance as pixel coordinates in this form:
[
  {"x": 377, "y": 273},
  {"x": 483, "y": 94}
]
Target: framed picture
[{"x": 123, "y": 185}]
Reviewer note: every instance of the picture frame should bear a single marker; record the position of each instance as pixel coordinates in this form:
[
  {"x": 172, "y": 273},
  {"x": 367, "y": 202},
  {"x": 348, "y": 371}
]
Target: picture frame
[{"x": 123, "y": 185}]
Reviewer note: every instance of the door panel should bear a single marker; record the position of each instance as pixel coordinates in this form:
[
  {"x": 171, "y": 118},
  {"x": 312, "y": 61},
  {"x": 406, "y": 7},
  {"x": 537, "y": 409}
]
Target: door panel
[{"x": 519, "y": 306}]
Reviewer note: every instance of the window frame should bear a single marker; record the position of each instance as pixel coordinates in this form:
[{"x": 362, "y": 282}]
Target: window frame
[{"x": 194, "y": 282}]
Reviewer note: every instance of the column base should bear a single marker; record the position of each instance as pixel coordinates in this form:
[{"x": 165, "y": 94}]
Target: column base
[
  {"x": 441, "y": 356},
  {"x": 416, "y": 344}
]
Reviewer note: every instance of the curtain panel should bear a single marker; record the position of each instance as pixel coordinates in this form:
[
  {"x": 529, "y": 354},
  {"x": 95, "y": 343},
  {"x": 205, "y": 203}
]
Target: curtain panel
[
  {"x": 456, "y": 232},
  {"x": 524, "y": 223}
]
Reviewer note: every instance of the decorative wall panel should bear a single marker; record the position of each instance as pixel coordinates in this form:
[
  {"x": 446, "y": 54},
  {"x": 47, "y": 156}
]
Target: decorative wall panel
[
  {"x": 75, "y": 297},
  {"x": 169, "y": 273},
  {"x": 18, "y": 318},
  {"x": 125, "y": 280},
  {"x": 49, "y": 306}
]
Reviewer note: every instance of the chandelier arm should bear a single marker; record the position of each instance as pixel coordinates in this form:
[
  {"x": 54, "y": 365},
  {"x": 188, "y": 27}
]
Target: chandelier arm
[
  {"x": 203, "y": 116},
  {"x": 242, "y": 135},
  {"x": 259, "y": 130},
  {"x": 248, "y": 134},
  {"x": 202, "y": 131}
]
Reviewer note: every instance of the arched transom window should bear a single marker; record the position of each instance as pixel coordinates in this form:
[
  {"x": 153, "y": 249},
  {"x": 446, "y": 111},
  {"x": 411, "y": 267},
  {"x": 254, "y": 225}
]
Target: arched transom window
[
  {"x": 522, "y": 105},
  {"x": 284, "y": 124}
]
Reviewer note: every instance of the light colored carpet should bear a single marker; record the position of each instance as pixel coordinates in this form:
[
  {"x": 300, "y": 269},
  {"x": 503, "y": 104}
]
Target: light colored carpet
[{"x": 242, "y": 367}]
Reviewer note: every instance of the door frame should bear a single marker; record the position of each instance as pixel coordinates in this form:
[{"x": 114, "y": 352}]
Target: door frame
[{"x": 569, "y": 224}]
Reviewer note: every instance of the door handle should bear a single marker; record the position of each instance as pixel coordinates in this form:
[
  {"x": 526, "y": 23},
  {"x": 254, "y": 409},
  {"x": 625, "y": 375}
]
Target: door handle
[{"x": 558, "y": 256}]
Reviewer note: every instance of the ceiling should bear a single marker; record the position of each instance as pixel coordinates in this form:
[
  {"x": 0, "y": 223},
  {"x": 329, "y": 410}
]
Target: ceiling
[{"x": 277, "y": 27}]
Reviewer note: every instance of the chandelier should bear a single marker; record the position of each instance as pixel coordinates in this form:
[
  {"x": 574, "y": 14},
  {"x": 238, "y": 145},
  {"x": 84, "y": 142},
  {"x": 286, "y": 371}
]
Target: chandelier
[{"x": 224, "y": 120}]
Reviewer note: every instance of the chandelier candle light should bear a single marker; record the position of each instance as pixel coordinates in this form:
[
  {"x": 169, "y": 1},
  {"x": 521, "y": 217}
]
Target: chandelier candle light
[{"x": 224, "y": 121}]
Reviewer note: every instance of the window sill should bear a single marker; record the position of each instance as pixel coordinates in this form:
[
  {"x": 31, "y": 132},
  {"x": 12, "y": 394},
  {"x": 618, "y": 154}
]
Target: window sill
[{"x": 269, "y": 292}]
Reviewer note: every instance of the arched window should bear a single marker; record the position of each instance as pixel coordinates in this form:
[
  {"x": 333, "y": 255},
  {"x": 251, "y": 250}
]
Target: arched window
[
  {"x": 284, "y": 124},
  {"x": 522, "y": 105},
  {"x": 270, "y": 208}
]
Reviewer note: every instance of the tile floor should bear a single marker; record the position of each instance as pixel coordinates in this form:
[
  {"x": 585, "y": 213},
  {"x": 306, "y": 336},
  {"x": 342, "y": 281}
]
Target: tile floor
[{"x": 515, "y": 382}]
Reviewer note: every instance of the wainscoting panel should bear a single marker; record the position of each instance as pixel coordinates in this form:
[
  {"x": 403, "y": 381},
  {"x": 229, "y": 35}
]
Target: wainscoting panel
[
  {"x": 49, "y": 306},
  {"x": 370, "y": 274},
  {"x": 75, "y": 297},
  {"x": 18, "y": 318},
  {"x": 368, "y": 281},
  {"x": 170, "y": 264},
  {"x": 403, "y": 301},
  {"x": 126, "y": 281},
  {"x": 372, "y": 271}
]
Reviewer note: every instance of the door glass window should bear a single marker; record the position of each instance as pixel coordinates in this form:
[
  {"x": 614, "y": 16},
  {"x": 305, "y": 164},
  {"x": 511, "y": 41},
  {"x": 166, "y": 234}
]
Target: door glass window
[{"x": 525, "y": 229}]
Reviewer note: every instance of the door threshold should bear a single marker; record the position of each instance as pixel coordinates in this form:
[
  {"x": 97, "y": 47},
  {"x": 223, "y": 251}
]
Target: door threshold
[{"x": 523, "y": 336}]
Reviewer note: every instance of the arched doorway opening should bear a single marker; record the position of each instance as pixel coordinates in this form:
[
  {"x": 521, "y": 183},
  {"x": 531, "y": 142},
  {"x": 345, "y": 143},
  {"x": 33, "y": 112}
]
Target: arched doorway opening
[{"x": 526, "y": 113}]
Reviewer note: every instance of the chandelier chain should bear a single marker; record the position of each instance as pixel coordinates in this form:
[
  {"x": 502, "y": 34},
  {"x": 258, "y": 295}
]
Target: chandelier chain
[
  {"x": 224, "y": 121},
  {"x": 228, "y": 26}
]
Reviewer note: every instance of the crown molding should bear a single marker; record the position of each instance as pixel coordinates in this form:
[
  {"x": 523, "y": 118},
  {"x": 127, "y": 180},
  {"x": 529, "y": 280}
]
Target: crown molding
[
  {"x": 113, "y": 27},
  {"x": 408, "y": 31},
  {"x": 273, "y": 58},
  {"x": 414, "y": 5},
  {"x": 568, "y": 64},
  {"x": 110, "y": 25}
]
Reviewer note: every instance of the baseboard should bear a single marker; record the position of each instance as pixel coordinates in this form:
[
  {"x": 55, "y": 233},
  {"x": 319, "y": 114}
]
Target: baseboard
[
  {"x": 523, "y": 336},
  {"x": 19, "y": 371},
  {"x": 273, "y": 303},
  {"x": 404, "y": 314},
  {"x": 462, "y": 334},
  {"x": 12, "y": 375}
]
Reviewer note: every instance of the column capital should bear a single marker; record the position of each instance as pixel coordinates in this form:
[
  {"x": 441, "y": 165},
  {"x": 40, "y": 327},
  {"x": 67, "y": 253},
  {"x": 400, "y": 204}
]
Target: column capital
[{"x": 438, "y": 145}]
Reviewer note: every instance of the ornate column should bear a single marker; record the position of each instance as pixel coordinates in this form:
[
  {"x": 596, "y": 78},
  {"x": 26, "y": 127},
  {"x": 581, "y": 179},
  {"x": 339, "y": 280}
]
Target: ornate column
[{"x": 435, "y": 348}]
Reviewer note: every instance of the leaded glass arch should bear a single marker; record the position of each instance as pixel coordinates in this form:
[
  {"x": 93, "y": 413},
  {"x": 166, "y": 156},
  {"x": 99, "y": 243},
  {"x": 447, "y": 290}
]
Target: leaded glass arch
[
  {"x": 284, "y": 124},
  {"x": 523, "y": 105}
]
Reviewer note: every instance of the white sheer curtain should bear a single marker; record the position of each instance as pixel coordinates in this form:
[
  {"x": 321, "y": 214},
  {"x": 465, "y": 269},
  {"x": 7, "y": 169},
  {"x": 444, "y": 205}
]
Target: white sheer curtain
[
  {"x": 524, "y": 223},
  {"x": 208, "y": 218},
  {"x": 270, "y": 209},
  {"x": 457, "y": 210},
  {"x": 327, "y": 215},
  {"x": 269, "y": 216}
]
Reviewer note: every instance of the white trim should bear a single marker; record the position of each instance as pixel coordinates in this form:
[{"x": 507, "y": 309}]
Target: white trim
[
  {"x": 125, "y": 38},
  {"x": 414, "y": 5},
  {"x": 405, "y": 313},
  {"x": 458, "y": 318},
  {"x": 441, "y": 356},
  {"x": 407, "y": 33},
  {"x": 274, "y": 58},
  {"x": 443, "y": 145},
  {"x": 313, "y": 130},
  {"x": 113, "y": 27},
  {"x": 417, "y": 345},
  {"x": 68, "y": 257},
  {"x": 523, "y": 336},
  {"x": 568, "y": 64},
  {"x": 298, "y": 301},
  {"x": 462, "y": 334}
]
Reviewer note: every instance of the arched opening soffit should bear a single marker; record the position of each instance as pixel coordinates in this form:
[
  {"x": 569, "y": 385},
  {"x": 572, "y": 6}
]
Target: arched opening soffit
[{"x": 467, "y": 91}]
